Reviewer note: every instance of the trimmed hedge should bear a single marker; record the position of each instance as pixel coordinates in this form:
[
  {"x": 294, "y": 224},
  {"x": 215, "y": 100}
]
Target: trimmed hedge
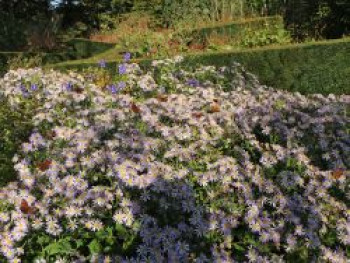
[
  {"x": 320, "y": 67},
  {"x": 238, "y": 28},
  {"x": 84, "y": 48}
]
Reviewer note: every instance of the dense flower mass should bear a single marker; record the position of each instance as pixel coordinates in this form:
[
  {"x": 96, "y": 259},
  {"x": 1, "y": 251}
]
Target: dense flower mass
[{"x": 174, "y": 165}]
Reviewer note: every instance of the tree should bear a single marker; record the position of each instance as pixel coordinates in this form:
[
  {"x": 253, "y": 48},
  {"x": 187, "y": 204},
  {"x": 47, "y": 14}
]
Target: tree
[
  {"x": 16, "y": 17},
  {"x": 318, "y": 18}
]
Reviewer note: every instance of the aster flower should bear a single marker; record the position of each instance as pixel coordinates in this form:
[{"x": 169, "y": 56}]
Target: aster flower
[
  {"x": 69, "y": 86},
  {"x": 94, "y": 225},
  {"x": 52, "y": 227},
  {"x": 127, "y": 56},
  {"x": 34, "y": 87},
  {"x": 113, "y": 89},
  {"x": 121, "y": 85},
  {"x": 122, "y": 69},
  {"x": 102, "y": 63}
]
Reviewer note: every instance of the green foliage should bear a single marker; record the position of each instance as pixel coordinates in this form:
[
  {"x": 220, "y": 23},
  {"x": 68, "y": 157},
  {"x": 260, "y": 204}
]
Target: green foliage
[
  {"x": 11, "y": 33},
  {"x": 14, "y": 130},
  {"x": 44, "y": 34},
  {"x": 83, "y": 48},
  {"x": 16, "y": 18},
  {"x": 270, "y": 35},
  {"x": 59, "y": 247},
  {"x": 238, "y": 28},
  {"x": 256, "y": 32},
  {"x": 23, "y": 61},
  {"x": 13, "y": 60},
  {"x": 318, "y": 19},
  {"x": 4, "y": 57},
  {"x": 308, "y": 68},
  {"x": 173, "y": 12},
  {"x": 115, "y": 238}
]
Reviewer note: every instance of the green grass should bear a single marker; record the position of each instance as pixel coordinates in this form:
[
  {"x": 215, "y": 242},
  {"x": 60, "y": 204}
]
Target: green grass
[{"x": 318, "y": 67}]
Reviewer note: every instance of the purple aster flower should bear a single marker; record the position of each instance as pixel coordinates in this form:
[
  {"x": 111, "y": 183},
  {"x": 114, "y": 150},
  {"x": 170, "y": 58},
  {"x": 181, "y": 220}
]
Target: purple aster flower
[
  {"x": 34, "y": 87},
  {"x": 181, "y": 249},
  {"x": 102, "y": 63},
  {"x": 127, "y": 56},
  {"x": 122, "y": 69},
  {"x": 23, "y": 88},
  {"x": 193, "y": 83},
  {"x": 25, "y": 94},
  {"x": 121, "y": 85},
  {"x": 69, "y": 86},
  {"x": 113, "y": 89}
]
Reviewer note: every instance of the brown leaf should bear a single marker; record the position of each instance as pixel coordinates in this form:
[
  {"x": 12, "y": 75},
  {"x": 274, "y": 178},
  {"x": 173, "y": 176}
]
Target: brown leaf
[
  {"x": 135, "y": 108},
  {"x": 162, "y": 97},
  {"x": 214, "y": 107},
  {"x": 51, "y": 134},
  {"x": 78, "y": 90},
  {"x": 337, "y": 174},
  {"x": 197, "y": 115},
  {"x": 26, "y": 209},
  {"x": 43, "y": 166}
]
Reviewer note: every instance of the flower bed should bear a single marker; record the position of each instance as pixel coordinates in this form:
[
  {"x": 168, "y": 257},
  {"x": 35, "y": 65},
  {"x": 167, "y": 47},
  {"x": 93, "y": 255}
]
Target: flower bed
[{"x": 175, "y": 166}]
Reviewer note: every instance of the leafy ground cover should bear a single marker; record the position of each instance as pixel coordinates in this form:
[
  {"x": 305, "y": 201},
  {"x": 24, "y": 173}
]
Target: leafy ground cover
[{"x": 174, "y": 165}]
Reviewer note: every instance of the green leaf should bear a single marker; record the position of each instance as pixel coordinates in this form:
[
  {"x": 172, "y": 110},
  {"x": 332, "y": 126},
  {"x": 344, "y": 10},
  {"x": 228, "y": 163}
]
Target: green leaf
[
  {"x": 238, "y": 247},
  {"x": 61, "y": 247},
  {"x": 95, "y": 247},
  {"x": 79, "y": 243},
  {"x": 121, "y": 230},
  {"x": 128, "y": 243}
]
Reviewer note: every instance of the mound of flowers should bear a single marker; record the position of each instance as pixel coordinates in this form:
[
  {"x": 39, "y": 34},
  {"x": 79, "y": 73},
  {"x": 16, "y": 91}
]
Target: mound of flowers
[{"x": 174, "y": 165}]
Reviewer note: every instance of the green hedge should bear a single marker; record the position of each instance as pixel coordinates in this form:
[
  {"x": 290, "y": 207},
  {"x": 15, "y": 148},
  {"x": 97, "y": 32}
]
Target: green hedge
[
  {"x": 84, "y": 48},
  {"x": 320, "y": 67},
  {"x": 236, "y": 29}
]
